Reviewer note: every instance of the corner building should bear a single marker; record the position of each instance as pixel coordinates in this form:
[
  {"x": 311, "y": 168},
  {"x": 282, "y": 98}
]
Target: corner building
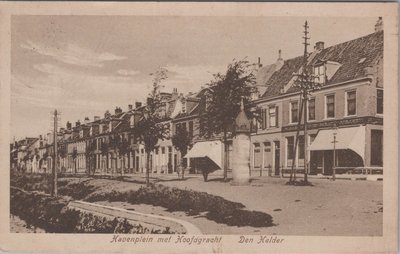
[{"x": 348, "y": 105}]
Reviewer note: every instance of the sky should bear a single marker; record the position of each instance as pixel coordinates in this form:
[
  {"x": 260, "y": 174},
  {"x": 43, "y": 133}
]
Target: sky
[{"x": 85, "y": 65}]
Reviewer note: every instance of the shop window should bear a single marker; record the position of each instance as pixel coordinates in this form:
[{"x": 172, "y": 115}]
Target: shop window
[
  {"x": 257, "y": 155},
  {"x": 376, "y": 147},
  {"x": 290, "y": 148}
]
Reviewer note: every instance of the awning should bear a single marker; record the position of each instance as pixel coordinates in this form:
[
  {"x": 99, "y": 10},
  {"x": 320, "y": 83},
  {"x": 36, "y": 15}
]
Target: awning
[
  {"x": 210, "y": 149},
  {"x": 346, "y": 138}
]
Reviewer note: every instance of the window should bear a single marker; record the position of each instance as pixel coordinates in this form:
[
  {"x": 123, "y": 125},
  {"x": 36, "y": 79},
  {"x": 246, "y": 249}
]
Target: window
[
  {"x": 319, "y": 72},
  {"x": 177, "y": 126},
  {"x": 208, "y": 101},
  {"x": 330, "y": 106},
  {"x": 379, "y": 101},
  {"x": 267, "y": 146},
  {"x": 273, "y": 118},
  {"x": 290, "y": 146},
  {"x": 184, "y": 126},
  {"x": 376, "y": 147},
  {"x": 351, "y": 103},
  {"x": 311, "y": 109},
  {"x": 191, "y": 129},
  {"x": 301, "y": 147},
  {"x": 263, "y": 118},
  {"x": 163, "y": 150},
  {"x": 294, "y": 112}
]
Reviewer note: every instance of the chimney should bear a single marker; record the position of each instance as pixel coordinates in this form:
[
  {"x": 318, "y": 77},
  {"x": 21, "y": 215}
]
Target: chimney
[
  {"x": 319, "y": 45},
  {"x": 40, "y": 137},
  {"x": 107, "y": 114},
  {"x": 259, "y": 62},
  {"x": 78, "y": 123},
  {"x": 86, "y": 121},
  {"x": 174, "y": 93},
  {"x": 130, "y": 107},
  {"x": 117, "y": 110},
  {"x": 379, "y": 25},
  {"x": 138, "y": 104},
  {"x": 96, "y": 118},
  {"x": 149, "y": 101},
  {"x": 69, "y": 125},
  {"x": 279, "y": 61}
]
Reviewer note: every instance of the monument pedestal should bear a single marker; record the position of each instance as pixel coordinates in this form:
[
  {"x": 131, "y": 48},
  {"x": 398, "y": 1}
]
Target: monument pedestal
[{"x": 241, "y": 159}]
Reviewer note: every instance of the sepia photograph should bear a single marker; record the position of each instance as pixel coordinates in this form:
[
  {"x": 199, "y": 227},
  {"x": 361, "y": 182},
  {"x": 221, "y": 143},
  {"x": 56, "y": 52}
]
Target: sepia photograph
[{"x": 185, "y": 128}]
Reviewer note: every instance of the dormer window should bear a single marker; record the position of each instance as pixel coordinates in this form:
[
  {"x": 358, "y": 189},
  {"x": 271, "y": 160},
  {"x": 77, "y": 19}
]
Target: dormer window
[
  {"x": 132, "y": 121},
  {"x": 208, "y": 100},
  {"x": 319, "y": 72},
  {"x": 183, "y": 106}
]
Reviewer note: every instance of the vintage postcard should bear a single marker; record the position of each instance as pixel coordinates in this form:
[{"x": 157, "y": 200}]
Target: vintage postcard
[{"x": 199, "y": 127}]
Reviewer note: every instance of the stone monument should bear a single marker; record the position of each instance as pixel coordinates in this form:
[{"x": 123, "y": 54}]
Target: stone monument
[{"x": 241, "y": 149}]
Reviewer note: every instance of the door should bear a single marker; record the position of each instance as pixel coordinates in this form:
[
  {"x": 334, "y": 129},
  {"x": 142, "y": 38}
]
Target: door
[
  {"x": 277, "y": 157},
  {"x": 137, "y": 163},
  {"x": 328, "y": 162}
]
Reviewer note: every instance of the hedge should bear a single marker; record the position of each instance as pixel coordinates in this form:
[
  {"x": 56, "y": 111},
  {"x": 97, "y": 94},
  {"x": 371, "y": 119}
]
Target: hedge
[
  {"x": 52, "y": 215},
  {"x": 215, "y": 208},
  {"x": 192, "y": 202}
]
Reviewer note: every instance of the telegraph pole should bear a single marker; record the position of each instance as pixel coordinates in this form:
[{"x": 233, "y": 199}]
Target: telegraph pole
[
  {"x": 305, "y": 99},
  {"x": 306, "y": 84},
  {"x": 54, "y": 192}
]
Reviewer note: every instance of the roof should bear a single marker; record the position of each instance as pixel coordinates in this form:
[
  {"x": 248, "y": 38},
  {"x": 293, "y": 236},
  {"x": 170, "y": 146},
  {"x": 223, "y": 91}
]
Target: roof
[
  {"x": 348, "y": 54},
  {"x": 281, "y": 77}
]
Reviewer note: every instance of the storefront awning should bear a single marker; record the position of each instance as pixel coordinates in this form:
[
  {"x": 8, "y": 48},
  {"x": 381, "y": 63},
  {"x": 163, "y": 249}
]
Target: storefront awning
[
  {"x": 346, "y": 138},
  {"x": 210, "y": 149}
]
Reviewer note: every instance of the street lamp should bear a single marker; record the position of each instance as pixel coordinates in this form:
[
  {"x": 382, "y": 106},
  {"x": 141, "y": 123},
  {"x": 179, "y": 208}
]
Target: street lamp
[{"x": 334, "y": 153}]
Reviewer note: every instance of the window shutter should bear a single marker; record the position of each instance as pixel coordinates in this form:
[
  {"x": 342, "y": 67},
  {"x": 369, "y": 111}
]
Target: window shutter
[{"x": 277, "y": 116}]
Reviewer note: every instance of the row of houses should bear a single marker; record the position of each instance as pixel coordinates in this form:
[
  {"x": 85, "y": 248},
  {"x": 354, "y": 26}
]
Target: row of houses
[{"x": 348, "y": 108}]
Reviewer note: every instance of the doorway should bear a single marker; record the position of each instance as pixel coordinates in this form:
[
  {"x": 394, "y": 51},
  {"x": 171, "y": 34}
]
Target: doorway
[
  {"x": 328, "y": 162},
  {"x": 277, "y": 157}
]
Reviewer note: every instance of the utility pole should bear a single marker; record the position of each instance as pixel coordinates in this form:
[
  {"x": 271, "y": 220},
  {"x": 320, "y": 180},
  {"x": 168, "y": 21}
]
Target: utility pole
[
  {"x": 334, "y": 153},
  {"x": 305, "y": 100},
  {"x": 306, "y": 83},
  {"x": 54, "y": 192}
]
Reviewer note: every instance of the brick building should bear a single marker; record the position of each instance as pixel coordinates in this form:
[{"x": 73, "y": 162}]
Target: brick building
[{"x": 349, "y": 105}]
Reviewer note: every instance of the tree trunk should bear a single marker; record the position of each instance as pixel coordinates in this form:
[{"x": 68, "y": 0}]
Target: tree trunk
[
  {"x": 148, "y": 169},
  {"x": 226, "y": 149},
  {"x": 205, "y": 175}
]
